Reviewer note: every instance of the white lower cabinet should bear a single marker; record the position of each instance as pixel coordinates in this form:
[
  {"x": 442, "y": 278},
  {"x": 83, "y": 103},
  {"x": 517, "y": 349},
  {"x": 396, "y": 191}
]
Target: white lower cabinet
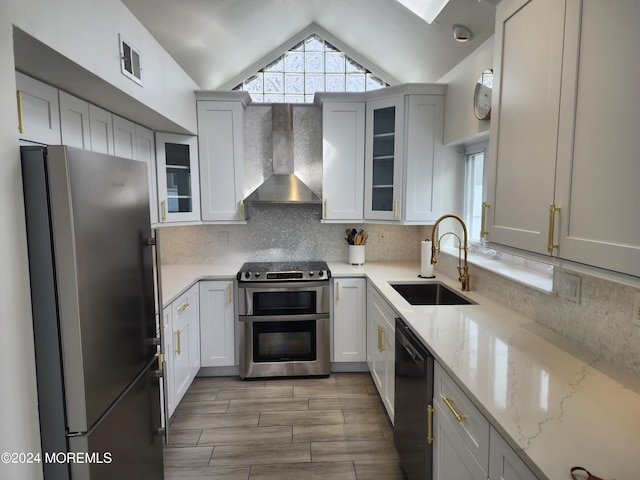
[
  {"x": 466, "y": 446},
  {"x": 381, "y": 347},
  {"x": 167, "y": 348},
  {"x": 217, "y": 339},
  {"x": 451, "y": 458},
  {"x": 461, "y": 445},
  {"x": 183, "y": 342},
  {"x": 504, "y": 463},
  {"x": 350, "y": 320}
]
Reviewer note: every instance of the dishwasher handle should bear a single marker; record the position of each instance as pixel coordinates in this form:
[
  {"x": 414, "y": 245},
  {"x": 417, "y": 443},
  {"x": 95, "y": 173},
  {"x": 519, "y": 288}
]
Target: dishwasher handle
[
  {"x": 406, "y": 343},
  {"x": 413, "y": 353}
]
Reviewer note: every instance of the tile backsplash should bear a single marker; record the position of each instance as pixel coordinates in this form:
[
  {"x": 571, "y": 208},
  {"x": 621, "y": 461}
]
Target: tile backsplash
[
  {"x": 284, "y": 232},
  {"x": 601, "y": 322}
]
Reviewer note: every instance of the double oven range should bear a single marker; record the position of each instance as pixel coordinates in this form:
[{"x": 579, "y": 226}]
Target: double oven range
[{"x": 284, "y": 314}]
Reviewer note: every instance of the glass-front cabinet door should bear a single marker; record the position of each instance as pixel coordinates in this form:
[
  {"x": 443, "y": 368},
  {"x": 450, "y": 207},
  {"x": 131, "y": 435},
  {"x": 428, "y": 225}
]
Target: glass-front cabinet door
[
  {"x": 383, "y": 154},
  {"x": 178, "y": 178}
]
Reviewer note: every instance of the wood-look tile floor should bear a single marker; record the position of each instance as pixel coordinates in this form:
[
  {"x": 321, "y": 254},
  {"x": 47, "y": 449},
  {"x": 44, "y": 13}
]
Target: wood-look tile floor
[{"x": 332, "y": 428}]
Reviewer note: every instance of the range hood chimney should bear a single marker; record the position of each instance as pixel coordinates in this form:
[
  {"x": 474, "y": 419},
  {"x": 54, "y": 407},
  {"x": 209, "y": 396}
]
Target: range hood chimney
[{"x": 283, "y": 186}]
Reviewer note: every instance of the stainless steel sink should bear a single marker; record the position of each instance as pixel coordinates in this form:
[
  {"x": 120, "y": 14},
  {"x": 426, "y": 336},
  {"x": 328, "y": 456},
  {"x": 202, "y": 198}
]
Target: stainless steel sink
[{"x": 432, "y": 293}]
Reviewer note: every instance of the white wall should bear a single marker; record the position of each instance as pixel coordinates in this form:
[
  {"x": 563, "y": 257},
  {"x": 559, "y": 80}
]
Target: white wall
[
  {"x": 85, "y": 31},
  {"x": 460, "y": 124}
]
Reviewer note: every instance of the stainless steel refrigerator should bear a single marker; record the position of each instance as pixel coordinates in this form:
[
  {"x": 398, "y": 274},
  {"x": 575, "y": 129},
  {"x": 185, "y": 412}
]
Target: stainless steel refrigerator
[{"x": 92, "y": 290}]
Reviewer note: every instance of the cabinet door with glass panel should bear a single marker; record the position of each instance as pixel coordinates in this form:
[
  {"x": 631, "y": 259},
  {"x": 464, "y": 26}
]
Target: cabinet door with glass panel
[
  {"x": 178, "y": 184},
  {"x": 383, "y": 158}
]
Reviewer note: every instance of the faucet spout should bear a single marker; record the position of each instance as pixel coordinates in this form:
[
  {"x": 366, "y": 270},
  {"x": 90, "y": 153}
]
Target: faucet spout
[{"x": 463, "y": 246}]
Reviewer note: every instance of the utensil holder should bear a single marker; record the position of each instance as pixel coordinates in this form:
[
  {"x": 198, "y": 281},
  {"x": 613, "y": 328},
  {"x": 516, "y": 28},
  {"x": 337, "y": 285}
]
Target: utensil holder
[{"x": 356, "y": 254}]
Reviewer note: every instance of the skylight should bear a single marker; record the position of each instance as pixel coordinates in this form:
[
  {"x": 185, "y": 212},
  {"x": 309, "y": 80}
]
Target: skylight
[
  {"x": 428, "y": 10},
  {"x": 313, "y": 65}
]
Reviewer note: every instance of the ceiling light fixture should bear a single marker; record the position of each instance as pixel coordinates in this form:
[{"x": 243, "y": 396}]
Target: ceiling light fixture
[
  {"x": 461, "y": 33},
  {"x": 428, "y": 10}
]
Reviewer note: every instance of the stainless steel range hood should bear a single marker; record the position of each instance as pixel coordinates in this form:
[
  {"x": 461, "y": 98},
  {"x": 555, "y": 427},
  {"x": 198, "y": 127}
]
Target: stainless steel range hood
[{"x": 283, "y": 186}]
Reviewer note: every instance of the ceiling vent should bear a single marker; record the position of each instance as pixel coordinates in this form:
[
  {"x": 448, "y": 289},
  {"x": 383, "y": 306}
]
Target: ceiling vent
[{"x": 130, "y": 61}]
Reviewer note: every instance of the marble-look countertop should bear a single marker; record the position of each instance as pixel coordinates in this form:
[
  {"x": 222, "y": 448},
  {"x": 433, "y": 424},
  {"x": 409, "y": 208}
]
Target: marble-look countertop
[{"x": 555, "y": 402}]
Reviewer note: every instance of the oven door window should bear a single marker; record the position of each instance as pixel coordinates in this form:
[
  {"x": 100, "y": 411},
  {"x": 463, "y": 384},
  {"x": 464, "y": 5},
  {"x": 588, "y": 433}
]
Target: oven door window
[
  {"x": 284, "y": 341},
  {"x": 284, "y": 303}
]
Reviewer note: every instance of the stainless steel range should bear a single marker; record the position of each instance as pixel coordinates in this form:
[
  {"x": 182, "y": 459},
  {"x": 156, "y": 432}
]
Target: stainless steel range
[{"x": 285, "y": 319}]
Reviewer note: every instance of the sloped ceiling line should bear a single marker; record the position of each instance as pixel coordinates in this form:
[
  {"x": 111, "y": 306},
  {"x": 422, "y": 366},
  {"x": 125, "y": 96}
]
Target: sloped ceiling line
[{"x": 310, "y": 30}]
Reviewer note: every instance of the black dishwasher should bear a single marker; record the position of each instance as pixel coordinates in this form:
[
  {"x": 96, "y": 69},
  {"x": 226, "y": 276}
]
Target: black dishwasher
[{"x": 414, "y": 392}]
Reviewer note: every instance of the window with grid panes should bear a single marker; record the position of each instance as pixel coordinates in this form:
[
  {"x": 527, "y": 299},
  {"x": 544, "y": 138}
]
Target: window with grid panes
[{"x": 313, "y": 65}]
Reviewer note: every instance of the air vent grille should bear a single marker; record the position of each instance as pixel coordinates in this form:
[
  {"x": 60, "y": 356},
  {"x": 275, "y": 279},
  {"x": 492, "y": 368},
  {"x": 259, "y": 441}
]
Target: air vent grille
[{"x": 130, "y": 61}]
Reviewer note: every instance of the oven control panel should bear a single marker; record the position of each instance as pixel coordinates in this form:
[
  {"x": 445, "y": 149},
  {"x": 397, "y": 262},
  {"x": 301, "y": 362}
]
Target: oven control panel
[{"x": 265, "y": 272}]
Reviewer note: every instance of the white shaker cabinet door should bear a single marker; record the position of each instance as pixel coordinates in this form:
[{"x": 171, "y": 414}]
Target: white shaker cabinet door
[
  {"x": 38, "y": 111},
  {"x": 524, "y": 126},
  {"x": 343, "y": 160},
  {"x": 101, "y": 129},
  {"x": 124, "y": 135},
  {"x": 217, "y": 336},
  {"x": 74, "y": 121},
  {"x": 598, "y": 166},
  {"x": 350, "y": 320},
  {"x": 221, "y": 144}
]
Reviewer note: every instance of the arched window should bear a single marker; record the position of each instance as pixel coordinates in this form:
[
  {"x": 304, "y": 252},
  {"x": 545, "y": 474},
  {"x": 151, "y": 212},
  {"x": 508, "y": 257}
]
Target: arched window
[{"x": 313, "y": 65}]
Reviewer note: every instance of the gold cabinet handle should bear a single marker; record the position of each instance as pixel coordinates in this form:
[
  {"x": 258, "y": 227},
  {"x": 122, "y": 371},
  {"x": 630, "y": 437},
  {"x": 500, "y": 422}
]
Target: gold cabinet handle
[
  {"x": 241, "y": 209},
  {"x": 552, "y": 222},
  {"x": 430, "y": 437},
  {"x": 337, "y": 291},
  {"x": 229, "y": 293},
  {"x": 483, "y": 220},
  {"x": 380, "y": 342},
  {"x": 395, "y": 208},
  {"x": 448, "y": 401},
  {"x": 183, "y": 307},
  {"x": 20, "y": 114},
  {"x": 324, "y": 215},
  {"x": 177, "y": 350},
  {"x": 163, "y": 208}
]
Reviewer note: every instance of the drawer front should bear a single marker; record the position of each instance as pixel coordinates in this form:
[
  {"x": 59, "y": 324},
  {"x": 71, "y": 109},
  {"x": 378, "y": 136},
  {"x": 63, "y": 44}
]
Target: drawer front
[
  {"x": 466, "y": 419},
  {"x": 186, "y": 304}
]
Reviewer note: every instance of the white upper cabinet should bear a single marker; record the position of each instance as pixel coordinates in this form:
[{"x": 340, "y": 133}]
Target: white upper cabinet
[
  {"x": 146, "y": 152},
  {"x": 524, "y": 126},
  {"x": 384, "y": 150},
  {"x": 124, "y": 137},
  {"x": 178, "y": 185},
  {"x": 74, "y": 121},
  {"x": 38, "y": 111},
  {"x": 221, "y": 143},
  {"x": 563, "y": 168},
  {"x": 598, "y": 168},
  {"x": 424, "y": 155},
  {"x": 101, "y": 130},
  {"x": 404, "y": 154},
  {"x": 343, "y": 126}
]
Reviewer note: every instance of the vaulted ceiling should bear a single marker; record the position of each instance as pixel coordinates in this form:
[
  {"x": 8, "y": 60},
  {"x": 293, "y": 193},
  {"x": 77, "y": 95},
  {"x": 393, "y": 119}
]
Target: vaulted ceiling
[{"x": 221, "y": 42}]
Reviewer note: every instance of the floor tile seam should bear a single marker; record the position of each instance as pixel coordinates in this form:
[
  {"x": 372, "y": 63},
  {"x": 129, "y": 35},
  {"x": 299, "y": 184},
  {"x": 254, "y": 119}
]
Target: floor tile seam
[{"x": 264, "y": 442}]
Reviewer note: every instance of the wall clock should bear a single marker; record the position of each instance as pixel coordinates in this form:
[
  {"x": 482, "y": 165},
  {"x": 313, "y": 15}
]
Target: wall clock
[{"x": 482, "y": 96}]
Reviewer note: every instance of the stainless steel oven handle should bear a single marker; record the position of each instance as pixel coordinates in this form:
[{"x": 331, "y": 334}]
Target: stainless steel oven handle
[
  {"x": 283, "y": 318},
  {"x": 278, "y": 286}
]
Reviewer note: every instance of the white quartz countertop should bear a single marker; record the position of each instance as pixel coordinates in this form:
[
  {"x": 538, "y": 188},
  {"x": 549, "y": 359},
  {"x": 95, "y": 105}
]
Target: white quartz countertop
[{"x": 555, "y": 402}]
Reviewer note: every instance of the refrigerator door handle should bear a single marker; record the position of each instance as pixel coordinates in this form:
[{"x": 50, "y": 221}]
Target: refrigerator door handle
[{"x": 154, "y": 241}]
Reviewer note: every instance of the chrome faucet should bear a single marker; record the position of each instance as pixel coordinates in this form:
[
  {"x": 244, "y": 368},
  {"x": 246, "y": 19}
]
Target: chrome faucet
[{"x": 463, "y": 245}]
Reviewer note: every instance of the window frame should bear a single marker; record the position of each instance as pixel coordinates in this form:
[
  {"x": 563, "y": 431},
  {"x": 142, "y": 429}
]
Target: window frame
[{"x": 470, "y": 151}]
